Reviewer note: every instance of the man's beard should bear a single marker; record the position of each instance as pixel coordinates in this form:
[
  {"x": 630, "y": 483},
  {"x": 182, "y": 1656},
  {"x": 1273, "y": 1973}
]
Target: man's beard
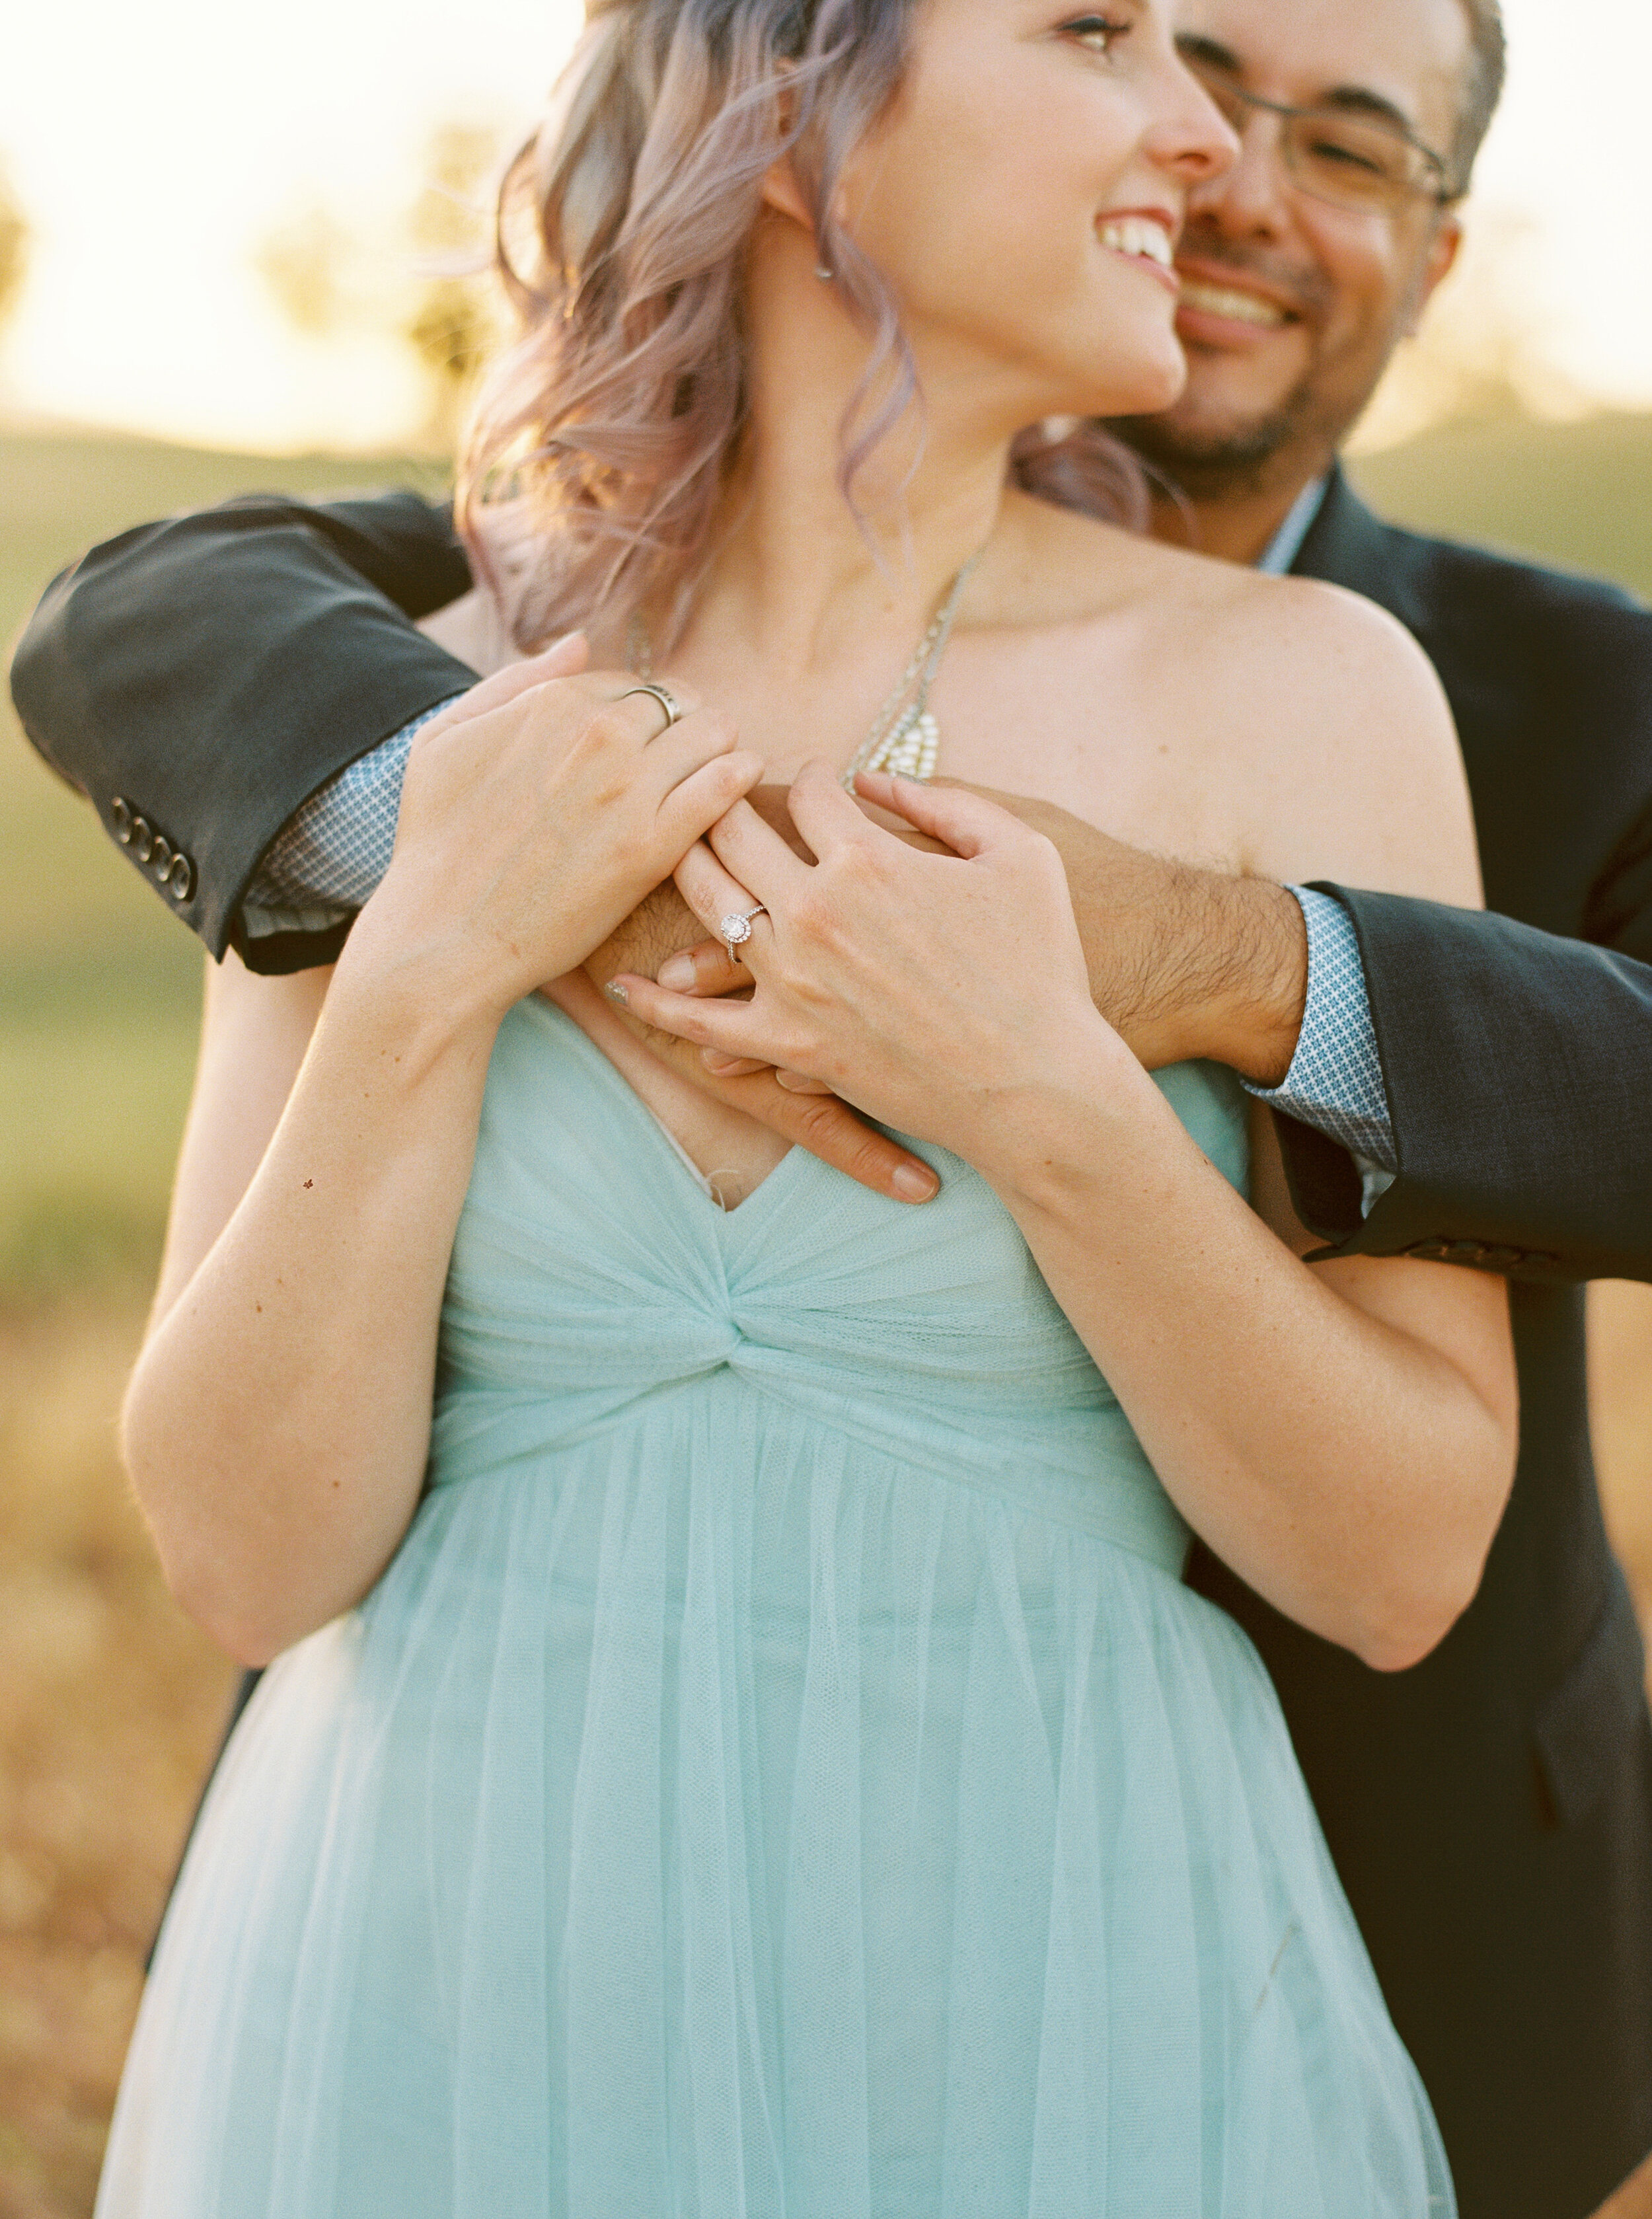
[
  {"x": 1226, "y": 462},
  {"x": 1231, "y": 460}
]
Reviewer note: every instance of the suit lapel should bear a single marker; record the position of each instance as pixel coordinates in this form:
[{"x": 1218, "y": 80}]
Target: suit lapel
[{"x": 1346, "y": 545}]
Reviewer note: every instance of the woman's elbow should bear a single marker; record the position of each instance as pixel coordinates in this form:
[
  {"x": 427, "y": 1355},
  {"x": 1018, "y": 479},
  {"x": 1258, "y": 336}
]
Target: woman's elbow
[
  {"x": 250, "y": 1584},
  {"x": 1434, "y": 1580},
  {"x": 216, "y": 1589}
]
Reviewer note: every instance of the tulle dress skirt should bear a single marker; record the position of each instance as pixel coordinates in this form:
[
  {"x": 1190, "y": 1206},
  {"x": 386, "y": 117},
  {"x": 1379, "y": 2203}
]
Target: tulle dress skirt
[{"x": 781, "y": 1776}]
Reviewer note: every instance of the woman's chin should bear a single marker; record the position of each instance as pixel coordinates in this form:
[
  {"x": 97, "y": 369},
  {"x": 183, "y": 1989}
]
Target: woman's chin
[
  {"x": 1147, "y": 389},
  {"x": 1130, "y": 372}
]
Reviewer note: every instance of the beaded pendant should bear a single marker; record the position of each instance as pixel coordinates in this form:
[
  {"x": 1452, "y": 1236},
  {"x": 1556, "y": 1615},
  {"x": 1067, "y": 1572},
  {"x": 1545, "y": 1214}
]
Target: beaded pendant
[{"x": 910, "y": 749}]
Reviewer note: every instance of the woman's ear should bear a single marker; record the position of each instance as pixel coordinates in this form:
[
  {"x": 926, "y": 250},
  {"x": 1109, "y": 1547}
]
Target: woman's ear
[
  {"x": 781, "y": 190},
  {"x": 782, "y": 193}
]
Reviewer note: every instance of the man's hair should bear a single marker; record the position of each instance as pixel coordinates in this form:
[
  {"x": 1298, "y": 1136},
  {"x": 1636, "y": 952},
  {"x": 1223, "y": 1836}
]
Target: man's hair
[{"x": 1482, "y": 87}]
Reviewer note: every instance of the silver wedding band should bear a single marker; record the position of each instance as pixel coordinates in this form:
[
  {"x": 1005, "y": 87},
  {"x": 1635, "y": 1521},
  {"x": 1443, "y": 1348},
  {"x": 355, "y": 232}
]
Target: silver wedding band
[
  {"x": 674, "y": 714},
  {"x": 736, "y": 928}
]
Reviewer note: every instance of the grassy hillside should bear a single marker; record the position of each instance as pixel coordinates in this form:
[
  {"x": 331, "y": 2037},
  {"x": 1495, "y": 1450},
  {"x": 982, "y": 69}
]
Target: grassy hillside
[{"x": 1577, "y": 494}]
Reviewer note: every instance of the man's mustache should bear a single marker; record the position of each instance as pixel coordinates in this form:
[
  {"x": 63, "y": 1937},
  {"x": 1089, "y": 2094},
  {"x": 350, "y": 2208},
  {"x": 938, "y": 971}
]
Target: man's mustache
[{"x": 1304, "y": 288}]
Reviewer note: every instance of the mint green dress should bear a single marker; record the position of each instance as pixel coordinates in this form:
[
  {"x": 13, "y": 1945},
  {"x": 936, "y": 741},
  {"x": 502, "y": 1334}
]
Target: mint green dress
[{"x": 782, "y": 1775}]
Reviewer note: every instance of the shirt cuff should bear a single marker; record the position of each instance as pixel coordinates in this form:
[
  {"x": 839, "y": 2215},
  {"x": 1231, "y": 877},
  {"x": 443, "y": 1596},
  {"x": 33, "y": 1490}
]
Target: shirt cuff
[
  {"x": 330, "y": 854},
  {"x": 1335, "y": 1080}
]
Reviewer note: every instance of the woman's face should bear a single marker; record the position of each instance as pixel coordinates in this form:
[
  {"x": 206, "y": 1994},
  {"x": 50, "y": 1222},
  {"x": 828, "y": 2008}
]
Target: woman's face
[{"x": 1023, "y": 197}]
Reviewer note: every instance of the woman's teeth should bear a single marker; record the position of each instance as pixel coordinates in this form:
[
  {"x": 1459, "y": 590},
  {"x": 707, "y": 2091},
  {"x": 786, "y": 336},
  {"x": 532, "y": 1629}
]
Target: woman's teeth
[
  {"x": 1138, "y": 234},
  {"x": 1240, "y": 307}
]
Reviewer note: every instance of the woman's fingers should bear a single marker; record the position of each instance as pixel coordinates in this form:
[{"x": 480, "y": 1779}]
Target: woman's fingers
[
  {"x": 712, "y": 893},
  {"x": 967, "y": 822},
  {"x": 824, "y": 814},
  {"x": 755, "y": 857},
  {"x": 798, "y": 1082},
  {"x": 639, "y": 696},
  {"x": 706, "y": 969},
  {"x": 727, "y": 1028},
  {"x": 730, "y": 1067},
  {"x": 695, "y": 802},
  {"x": 566, "y": 658}
]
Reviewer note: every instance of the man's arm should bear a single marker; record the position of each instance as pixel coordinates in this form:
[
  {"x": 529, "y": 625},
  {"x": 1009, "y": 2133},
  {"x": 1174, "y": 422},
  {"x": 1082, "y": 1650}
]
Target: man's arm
[
  {"x": 1514, "y": 1062},
  {"x": 1515, "y": 1066},
  {"x": 1518, "y": 1067},
  {"x": 199, "y": 678}
]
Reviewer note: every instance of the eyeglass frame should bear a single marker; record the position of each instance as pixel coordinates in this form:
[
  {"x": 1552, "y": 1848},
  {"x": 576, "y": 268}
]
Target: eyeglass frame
[{"x": 1444, "y": 193}]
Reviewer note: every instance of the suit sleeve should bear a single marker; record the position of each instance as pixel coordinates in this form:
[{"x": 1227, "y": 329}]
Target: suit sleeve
[
  {"x": 198, "y": 678},
  {"x": 1519, "y": 1072}
]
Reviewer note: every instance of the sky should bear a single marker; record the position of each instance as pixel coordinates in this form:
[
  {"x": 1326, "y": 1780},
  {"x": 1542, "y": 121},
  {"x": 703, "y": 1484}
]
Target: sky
[{"x": 153, "y": 145}]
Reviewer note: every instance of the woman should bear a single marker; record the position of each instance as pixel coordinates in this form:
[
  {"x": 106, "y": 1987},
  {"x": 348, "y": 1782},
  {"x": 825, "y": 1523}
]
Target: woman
[{"x": 750, "y": 1751}]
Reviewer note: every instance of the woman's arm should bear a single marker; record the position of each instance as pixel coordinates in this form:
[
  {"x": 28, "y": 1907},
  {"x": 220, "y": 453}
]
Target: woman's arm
[
  {"x": 277, "y": 1421},
  {"x": 1343, "y": 1435}
]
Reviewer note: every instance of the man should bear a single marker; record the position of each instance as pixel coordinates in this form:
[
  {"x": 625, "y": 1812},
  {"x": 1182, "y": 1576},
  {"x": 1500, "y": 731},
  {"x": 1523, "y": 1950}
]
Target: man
[{"x": 1463, "y": 1087}]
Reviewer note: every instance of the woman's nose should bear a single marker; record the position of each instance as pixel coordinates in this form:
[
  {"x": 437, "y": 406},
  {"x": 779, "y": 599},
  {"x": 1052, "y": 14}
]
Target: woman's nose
[{"x": 1191, "y": 137}]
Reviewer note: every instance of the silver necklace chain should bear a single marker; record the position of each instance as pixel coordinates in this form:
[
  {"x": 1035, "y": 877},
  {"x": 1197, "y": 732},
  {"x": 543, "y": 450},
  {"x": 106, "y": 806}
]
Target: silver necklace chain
[{"x": 905, "y": 739}]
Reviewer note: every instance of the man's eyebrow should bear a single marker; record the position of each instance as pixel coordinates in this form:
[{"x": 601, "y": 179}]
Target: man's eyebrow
[
  {"x": 1194, "y": 47},
  {"x": 1351, "y": 99}
]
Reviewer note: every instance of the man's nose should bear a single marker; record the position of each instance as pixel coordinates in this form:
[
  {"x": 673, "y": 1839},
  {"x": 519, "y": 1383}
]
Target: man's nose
[{"x": 1251, "y": 198}]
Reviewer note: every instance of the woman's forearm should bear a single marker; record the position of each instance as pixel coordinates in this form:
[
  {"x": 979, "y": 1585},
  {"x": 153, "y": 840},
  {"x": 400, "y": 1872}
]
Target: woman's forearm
[
  {"x": 277, "y": 1421},
  {"x": 1344, "y": 1466}
]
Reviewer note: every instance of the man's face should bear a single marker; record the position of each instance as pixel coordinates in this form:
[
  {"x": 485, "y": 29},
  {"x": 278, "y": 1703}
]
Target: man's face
[{"x": 1292, "y": 307}]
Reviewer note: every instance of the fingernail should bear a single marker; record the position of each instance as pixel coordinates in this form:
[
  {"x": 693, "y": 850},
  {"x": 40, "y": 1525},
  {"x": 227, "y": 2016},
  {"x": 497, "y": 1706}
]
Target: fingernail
[
  {"x": 615, "y": 991},
  {"x": 913, "y": 1184},
  {"x": 677, "y": 972}
]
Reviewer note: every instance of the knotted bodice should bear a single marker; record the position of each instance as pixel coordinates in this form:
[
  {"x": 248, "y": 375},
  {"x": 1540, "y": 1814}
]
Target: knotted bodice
[{"x": 591, "y": 1274}]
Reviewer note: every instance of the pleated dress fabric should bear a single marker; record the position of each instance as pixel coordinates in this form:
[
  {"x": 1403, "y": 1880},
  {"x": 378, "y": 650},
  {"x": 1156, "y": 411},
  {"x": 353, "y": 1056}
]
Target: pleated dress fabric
[{"x": 780, "y": 1776}]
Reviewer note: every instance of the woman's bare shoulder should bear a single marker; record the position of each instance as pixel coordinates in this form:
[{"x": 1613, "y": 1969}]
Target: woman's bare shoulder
[
  {"x": 1316, "y": 714},
  {"x": 1361, "y": 774}
]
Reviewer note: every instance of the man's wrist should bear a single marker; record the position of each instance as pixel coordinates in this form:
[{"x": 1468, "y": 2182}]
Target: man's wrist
[
  {"x": 1258, "y": 1021},
  {"x": 1244, "y": 967}
]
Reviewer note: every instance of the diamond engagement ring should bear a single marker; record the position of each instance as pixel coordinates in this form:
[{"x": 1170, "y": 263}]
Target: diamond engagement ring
[
  {"x": 736, "y": 928},
  {"x": 674, "y": 714}
]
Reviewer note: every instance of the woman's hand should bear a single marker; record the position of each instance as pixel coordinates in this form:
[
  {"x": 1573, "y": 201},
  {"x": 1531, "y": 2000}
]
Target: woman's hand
[
  {"x": 530, "y": 827},
  {"x": 899, "y": 978}
]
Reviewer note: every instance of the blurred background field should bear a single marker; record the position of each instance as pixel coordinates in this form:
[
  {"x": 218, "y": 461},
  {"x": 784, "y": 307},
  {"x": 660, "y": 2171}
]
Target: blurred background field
[
  {"x": 253, "y": 230},
  {"x": 109, "y": 1703}
]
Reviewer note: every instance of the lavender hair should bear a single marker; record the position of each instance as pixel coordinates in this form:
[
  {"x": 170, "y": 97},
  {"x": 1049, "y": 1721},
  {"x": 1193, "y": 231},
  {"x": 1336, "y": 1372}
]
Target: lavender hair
[{"x": 616, "y": 414}]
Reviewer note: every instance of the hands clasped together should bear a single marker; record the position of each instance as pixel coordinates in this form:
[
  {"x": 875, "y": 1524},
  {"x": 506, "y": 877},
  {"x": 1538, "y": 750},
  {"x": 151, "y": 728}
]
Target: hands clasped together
[
  {"x": 894, "y": 975},
  {"x": 552, "y": 810}
]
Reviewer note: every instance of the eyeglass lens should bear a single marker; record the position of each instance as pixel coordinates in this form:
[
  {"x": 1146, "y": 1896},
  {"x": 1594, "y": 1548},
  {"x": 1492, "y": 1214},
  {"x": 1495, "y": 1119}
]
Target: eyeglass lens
[{"x": 1351, "y": 161}]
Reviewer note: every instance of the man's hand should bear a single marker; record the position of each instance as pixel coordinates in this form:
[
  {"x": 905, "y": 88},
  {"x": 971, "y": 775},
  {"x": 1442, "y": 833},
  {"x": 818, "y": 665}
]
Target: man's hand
[
  {"x": 1182, "y": 962},
  {"x": 662, "y": 926}
]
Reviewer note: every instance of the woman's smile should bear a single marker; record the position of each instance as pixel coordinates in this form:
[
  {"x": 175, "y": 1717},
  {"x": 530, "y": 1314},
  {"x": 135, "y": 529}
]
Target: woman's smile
[{"x": 1145, "y": 236}]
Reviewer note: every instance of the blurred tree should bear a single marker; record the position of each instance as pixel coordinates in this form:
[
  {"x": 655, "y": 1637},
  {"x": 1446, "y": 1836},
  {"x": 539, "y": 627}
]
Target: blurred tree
[
  {"x": 454, "y": 317},
  {"x": 304, "y": 263},
  {"x": 13, "y": 245},
  {"x": 423, "y": 280}
]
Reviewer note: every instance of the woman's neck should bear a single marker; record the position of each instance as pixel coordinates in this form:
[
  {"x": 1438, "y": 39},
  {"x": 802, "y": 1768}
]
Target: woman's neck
[{"x": 802, "y": 581}]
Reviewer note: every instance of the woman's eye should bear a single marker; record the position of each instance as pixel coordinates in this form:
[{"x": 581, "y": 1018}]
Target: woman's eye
[{"x": 1100, "y": 33}]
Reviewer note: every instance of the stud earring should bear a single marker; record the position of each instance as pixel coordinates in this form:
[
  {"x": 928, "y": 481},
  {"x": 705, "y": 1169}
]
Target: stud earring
[{"x": 823, "y": 273}]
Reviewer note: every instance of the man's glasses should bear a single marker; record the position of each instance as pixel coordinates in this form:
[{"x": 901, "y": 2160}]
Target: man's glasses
[{"x": 1350, "y": 161}]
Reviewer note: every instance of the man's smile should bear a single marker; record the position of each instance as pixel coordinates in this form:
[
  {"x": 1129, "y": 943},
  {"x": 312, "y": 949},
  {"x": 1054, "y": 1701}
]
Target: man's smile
[{"x": 1222, "y": 305}]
